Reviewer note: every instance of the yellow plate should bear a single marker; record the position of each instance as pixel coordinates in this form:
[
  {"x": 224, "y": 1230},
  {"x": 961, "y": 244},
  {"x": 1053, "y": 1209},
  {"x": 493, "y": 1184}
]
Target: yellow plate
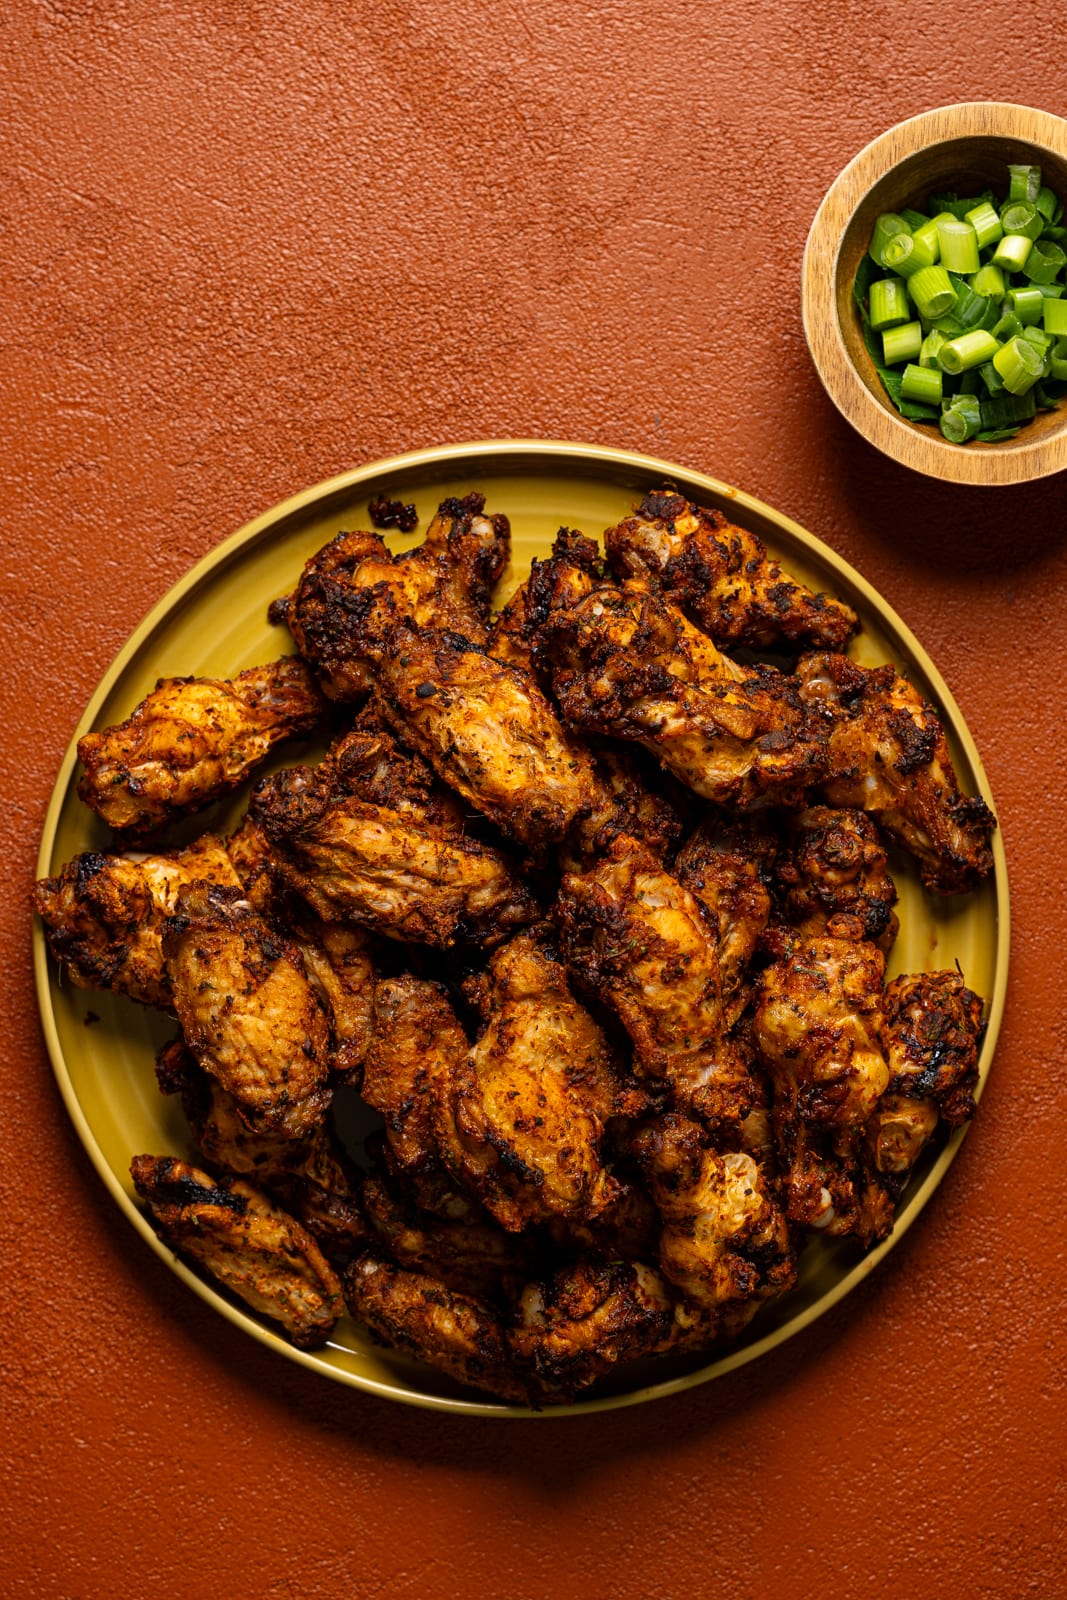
[{"x": 214, "y": 622}]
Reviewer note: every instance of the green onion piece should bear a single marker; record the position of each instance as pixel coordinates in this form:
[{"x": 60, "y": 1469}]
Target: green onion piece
[
  {"x": 931, "y": 289},
  {"x": 906, "y": 254},
  {"x": 962, "y": 419},
  {"x": 1038, "y": 338},
  {"x": 969, "y": 350},
  {"x": 969, "y": 382},
  {"x": 886, "y": 227},
  {"x": 914, "y": 219},
  {"x": 1045, "y": 262},
  {"x": 975, "y": 310},
  {"x": 989, "y": 280},
  {"x": 922, "y": 384},
  {"x": 1054, "y": 317},
  {"x": 929, "y": 348},
  {"x": 959, "y": 246},
  {"x": 927, "y": 236},
  {"x": 1006, "y": 409},
  {"x": 1024, "y": 182},
  {"x": 1048, "y": 205},
  {"x": 986, "y": 224},
  {"x": 1012, "y": 252},
  {"x": 1057, "y": 360},
  {"x": 1019, "y": 364},
  {"x": 1008, "y": 326},
  {"x": 1027, "y": 304},
  {"x": 889, "y": 303},
  {"x": 1051, "y": 291},
  {"x": 902, "y": 343},
  {"x": 989, "y": 375},
  {"x": 1020, "y": 216}
]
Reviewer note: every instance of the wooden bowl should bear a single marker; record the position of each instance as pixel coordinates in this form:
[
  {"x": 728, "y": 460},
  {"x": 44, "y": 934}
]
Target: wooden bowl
[{"x": 965, "y": 148}]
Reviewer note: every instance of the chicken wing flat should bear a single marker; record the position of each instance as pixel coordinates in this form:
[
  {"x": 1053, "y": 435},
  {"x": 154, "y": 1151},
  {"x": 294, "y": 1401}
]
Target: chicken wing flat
[
  {"x": 469, "y": 1253},
  {"x": 446, "y": 582},
  {"x": 369, "y": 763},
  {"x": 889, "y": 756},
  {"x": 835, "y": 879},
  {"x": 456, "y": 1333},
  {"x": 385, "y": 870},
  {"x": 723, "y": 576},
  {"x": 103, "y": 915},
  {"x": 645, "y": 946},
  {"x": 523, "y": 1114},
  {"x": 250, "y": 1246},
  {"x": 193, "y": 740},
  {"x": 247, "y": 1010},
  {"x": 727, "y": 865}
]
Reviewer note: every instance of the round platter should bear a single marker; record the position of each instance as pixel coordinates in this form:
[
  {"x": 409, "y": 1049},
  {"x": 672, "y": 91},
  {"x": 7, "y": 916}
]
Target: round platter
[{"x": 214, "y": 623}]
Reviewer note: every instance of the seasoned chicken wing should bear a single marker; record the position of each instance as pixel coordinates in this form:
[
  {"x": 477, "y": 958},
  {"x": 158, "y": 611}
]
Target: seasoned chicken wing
[
  {"x": 446, "y": 582},
  {"x": 835, "y": 879},
  {"x": 396, "y": 874},
  {"x": 644, "y": 944},
  {"x": 193, "y": 740},
  {"x": 103, "y": 915},
  {"x": 457, "y": 1333},
  {"x": 723, "y": 576},
  {"x": 727, "y": 865},
  {"x": 889, "y": 756},
  {"x": 247, "y": 1010},
  {"x": 252, "y": 1247},
  {"x": 522, "y": 1117},
  {"x": 469, "y": 1253}
]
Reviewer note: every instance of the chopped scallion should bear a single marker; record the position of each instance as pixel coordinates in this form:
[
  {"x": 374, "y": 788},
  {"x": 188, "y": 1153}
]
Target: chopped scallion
[
  {"x": 959, "y": 245},
  {"x": 932, "y": 291},
  {"x": 1045, "y": 262},
  {"x": 1024, "y": 182},
  {"x": 889, "y": 303},
  {"x": 1027, "y": 305},
  {"x": 886, "y": 227},
  {"x": 961, "y": 419},
  {"x": 1054, "y": 317},
  {"x": 902, "y": 343},
  {"x": 922, "y": 384},
  {"x": 986, "y": 224},
  {"x": 1012, "y": 252},
  {"x": 969, "y": 350},
  {"x": 1019, "y": 364},
  {"x": 1021, "y": 217}
]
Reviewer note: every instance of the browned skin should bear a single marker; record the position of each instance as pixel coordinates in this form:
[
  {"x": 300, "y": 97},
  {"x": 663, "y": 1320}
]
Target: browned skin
[
  {"x": 647, "y": 948},
  {"x": 933, "y": 1031},
  {"x": 247, "y": 1010},
  {"x": 457, "y": 1333},
  {"x": 889, "y": 757},
  {"x": 522, "y": 1116},
  {"x": 370, "y": 763},
  {"x": 103, "y": 915},
  {"x": 627, "y": 666},
  {"x": 581, "y": 1321},
  {"x": 193, "y": 740},
  {"x": 835, "y": 879},
  {"x": 470, "y": 1253},
  {"x": 723, "y": 576},
  {"x": 727, "y": 866},
  {"x": 386, "y": 870},
  {"x": 311, "y": 1177},
  {"x": 725, "y": 1244},
  {"x": 250, "y": 1246},
  {"x": 819, "y": 1028},
  {"x": 446, "y": 582}
]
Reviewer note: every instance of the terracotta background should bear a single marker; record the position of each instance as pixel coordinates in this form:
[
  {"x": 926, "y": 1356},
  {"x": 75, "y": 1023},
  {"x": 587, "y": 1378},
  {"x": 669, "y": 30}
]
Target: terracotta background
[{"x": 248, "y": 245}]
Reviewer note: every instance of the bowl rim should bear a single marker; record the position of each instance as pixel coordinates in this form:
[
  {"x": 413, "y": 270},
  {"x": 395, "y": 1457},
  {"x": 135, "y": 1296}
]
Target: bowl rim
[{"x": 921, "y": 449}]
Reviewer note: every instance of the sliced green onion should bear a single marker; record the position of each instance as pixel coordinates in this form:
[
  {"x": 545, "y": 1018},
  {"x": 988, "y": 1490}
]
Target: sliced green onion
[
  {"x": 1022, "y": 217},
  {"x": 1057, "y": 360},
  {"x": 889, "y": 303},
  {"x": 989, "y": 375},
  {"x": 989, "y": 280},
  {"x": 976, "y": 310},
  {"x": 1054, "y": 317},
  {"x": 961, "y": 419},
  {"x": 1045, "y": 262},
  {"x": 932, "y": 291},
  {"x": 1006, "y": 409},
  {"x": 959, "y": 245},
  {"x": 922, "y": 384},
  {"x": 1051, "y": 291},
  {"x": 1038, "y": 338},
  {"x": 1027, "y": 304},
  {"x": 1012, "y": 252},
  {"x": 902, "y": 343},
  {"x": 986, "y": 224},
  {"x": 969, "y": 350},
  {"x": 1019, "y": 364},
  {"x": 1008, "y": 326},
  {"x": 914, "y": 219},
  {"x": 929, "y": 348},
  {"x": 1050, "y": 207},
  {"x": 927, "y": 236},
  {"x": 906, "y": 254},
  {"x": 1024, "y": 182},
  {"x": 886, "y": 227}
]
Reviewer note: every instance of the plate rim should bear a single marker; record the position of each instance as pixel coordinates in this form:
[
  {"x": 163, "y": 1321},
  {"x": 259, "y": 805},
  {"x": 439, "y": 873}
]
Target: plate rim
[{"x": 536, "y": 450}]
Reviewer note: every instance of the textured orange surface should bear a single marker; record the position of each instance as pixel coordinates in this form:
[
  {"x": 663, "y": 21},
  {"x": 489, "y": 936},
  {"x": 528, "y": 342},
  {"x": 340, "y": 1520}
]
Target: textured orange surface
[{"x": 249, "y": 245}]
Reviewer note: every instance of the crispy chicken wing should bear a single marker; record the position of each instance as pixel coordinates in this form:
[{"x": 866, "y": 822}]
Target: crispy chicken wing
[
  {"x": 247, "y": 1010},
  {"x": 252, "y": 1247},
  {"x": 193, "y": 740},
  {"x": 889, "y": 757},
  {"x": 723, "y": 576},
  {"x": 727, "y": 866},
  {"x": 469, "y": 1253},
  {"x": 103, "y": 915},
  {"x": 835, "y": 879},
  {"x": 444, "y": 583}
]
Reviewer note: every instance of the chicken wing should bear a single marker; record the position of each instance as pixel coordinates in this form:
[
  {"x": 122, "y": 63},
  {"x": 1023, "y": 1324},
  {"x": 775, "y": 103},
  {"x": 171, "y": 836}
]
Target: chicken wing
[
  {"x": 727, "y": 865},
  {"x": 470, "y": 1253},
  {"x": 250, "y": 1246},
  {"x": 103, "y": 915},
  {"x": 247, "y": 1010},
  {"x": 889, "y": 757},
  {"x": 835, "y": 879},
  {"x": 193, "y": 740},
  {"x": 446, "y": 582},
  {"x": 723, "y": 576}
]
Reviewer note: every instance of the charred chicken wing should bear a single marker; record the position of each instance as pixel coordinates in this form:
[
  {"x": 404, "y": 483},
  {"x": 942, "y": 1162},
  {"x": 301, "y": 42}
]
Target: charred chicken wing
[{"x": 835, "y": 878}]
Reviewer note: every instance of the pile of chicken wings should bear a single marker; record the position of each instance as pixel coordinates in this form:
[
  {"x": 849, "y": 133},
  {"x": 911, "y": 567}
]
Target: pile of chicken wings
[{"x": 587, "y": 900}]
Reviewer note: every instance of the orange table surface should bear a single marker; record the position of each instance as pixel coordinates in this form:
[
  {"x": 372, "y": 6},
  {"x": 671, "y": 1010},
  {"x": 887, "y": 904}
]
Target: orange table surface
[{"x": 247, "y": 246}]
